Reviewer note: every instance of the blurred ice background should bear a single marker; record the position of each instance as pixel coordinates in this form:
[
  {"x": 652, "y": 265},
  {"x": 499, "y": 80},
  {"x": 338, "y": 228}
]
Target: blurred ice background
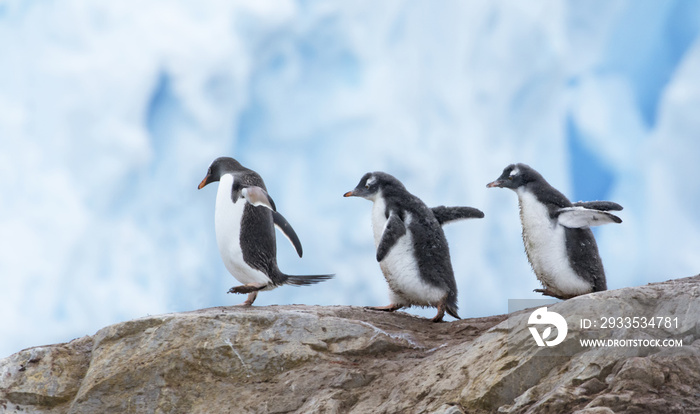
[{"x": 110, "y": 113}]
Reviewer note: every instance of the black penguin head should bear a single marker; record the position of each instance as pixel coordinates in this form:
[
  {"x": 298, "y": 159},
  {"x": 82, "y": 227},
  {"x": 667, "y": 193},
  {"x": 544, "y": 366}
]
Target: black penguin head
[
  {"x": 515, "y": 176},
  {"x": 372, "y": 184},
  {"x": 221, "y": 166}
]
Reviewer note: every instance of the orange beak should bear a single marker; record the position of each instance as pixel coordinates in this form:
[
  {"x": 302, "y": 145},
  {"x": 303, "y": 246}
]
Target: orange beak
[
  {"x": 348, "y": 194},
  {"x": 203, "y": 183}
]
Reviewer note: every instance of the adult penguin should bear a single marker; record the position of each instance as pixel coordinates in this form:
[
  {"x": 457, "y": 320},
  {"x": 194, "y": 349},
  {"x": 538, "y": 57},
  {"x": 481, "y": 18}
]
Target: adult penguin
[{"x": 245, "y": 218}]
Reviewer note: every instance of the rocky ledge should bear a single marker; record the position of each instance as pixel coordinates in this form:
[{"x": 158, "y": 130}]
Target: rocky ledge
[{"x": 305, "y": 359}]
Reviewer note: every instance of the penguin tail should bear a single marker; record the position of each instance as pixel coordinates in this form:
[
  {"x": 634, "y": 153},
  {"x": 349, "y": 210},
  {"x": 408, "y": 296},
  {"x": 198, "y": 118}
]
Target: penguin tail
[
  {"x": 451, "y": 304},
  {"x": 452, "y": 311},
  {"x": 306, "y": 280}
]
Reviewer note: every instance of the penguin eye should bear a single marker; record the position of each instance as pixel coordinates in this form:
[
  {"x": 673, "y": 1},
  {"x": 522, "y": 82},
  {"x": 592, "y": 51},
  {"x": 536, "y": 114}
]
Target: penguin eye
[{"x": 367, "y": 186}]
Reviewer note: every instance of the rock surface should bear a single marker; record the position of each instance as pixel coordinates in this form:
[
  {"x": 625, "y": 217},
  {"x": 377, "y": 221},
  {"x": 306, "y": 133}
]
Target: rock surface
[{"x": 301, "y": 359}]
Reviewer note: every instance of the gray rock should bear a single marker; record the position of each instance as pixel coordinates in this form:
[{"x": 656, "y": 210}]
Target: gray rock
[{"x": 300, "y": 359}]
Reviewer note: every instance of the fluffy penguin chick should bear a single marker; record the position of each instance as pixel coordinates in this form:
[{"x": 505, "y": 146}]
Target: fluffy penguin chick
[
  {"x": 411, "y": 247},
  {"x": 245, "y": 220},
  {"x": 556, "y": 232}
]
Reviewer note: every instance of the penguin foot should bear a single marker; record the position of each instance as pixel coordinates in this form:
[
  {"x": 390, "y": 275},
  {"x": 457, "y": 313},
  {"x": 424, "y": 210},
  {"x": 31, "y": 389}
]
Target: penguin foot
[
  {"x": 440, "y": 314},
  {"x": 547, "y": 292},
  {"x": 388, "y": 308},
  {"x": 249, "y": 302},
  {"x": 248, "y": 288}
]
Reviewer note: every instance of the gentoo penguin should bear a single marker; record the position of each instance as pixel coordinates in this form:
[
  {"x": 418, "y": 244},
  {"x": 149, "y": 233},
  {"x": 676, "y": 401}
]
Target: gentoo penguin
[
  {"x": 556, "y": 232},
  {"x": 245, "y": 220},
  {"x": 411, "y": 247}
]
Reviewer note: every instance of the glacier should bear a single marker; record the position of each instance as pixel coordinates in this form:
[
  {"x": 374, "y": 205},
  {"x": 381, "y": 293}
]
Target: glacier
[{"x": 110, "y": 113}]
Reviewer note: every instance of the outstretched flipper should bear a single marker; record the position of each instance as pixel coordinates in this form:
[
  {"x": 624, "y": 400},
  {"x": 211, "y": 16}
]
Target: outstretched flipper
[
  {"x": 393, "y": 230},
  {"x": 577, "y": 217},
  {"x": 599, "y": 205},
  {"x": 448, "y": 214},
  {"x": 286, "y": 229}
]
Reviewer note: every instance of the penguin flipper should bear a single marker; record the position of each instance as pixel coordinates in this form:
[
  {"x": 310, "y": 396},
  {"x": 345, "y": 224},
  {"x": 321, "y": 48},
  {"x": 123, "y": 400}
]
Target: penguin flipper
[
  {"x": 448, "y": 214},
  {"x": 283, "y": 225},
  {"x": 599, "y": 205},
  {"x": 578, "y": 217},
  {"x": 393, "y": 230},
  {"x": 258, "y": 197}
]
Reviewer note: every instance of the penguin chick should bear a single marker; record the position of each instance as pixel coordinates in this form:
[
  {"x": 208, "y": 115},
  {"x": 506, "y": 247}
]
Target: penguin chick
[
  {"x": 556, "y": 232},
  {"x": 245, "y": 218},
  {"x": 412, "y": 250}
]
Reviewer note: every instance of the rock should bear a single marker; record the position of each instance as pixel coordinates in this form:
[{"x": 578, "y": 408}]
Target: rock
[
  {"x": 596, "y": 410},
  {"x": 301, "y": 359},
  {"x": 44, "y": 376}
]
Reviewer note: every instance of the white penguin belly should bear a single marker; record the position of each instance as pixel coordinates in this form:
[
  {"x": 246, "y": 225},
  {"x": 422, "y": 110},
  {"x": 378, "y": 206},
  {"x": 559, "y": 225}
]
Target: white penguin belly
[
  {"x": 227, "y": 223},
  {"x": 545, "y": 245},
  {"x": 400, "y": 267}
]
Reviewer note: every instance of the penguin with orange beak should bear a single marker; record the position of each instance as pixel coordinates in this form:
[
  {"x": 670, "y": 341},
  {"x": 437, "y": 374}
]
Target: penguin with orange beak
[{"x": 245, "y": 218}]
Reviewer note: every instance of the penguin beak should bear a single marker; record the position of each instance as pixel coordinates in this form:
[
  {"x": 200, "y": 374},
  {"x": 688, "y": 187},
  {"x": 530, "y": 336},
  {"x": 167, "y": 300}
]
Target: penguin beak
[
  {"x": 204, "y": 182},
  {"x": 349, "y": 194},
  {"x": 497, "y": 183}
]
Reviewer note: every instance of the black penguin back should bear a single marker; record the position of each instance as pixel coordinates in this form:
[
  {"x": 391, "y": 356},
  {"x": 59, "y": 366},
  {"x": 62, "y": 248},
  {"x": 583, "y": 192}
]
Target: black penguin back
[
  {"x": 584, "y": 259},
  {"x": 430, "y": 247},
  {"x": 257, "y": 238},
  {"x": 581, "y": 247},
  {"x": 258, "y": 243}
]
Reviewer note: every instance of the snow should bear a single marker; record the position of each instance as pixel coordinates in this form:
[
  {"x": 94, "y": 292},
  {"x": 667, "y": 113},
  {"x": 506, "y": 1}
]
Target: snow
[{"x": 110, "y": 113}]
